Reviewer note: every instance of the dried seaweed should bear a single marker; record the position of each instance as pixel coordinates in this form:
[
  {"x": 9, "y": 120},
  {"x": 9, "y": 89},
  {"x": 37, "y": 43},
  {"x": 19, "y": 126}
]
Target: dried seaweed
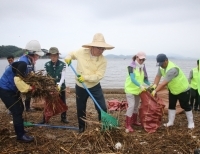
[
  {"x": 174, "y": 140},
  {"x": 44, "y": 86}
]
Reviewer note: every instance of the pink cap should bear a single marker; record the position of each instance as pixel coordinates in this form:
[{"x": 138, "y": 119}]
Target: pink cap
[{"x": 141, "y": 55}]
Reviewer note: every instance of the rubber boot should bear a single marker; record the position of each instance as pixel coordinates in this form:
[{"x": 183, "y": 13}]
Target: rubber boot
[
  {"x": 21, "y": 136},
  {"x": 128, "y": 124},
  {"x": 171, "y": 117},
  {"x": 135, "y": 119},
  {"x": 189, "y": 116},
  {"x": 64, "y": 118}
]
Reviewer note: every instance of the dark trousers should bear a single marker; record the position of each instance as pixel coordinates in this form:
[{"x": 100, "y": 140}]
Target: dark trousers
[
  {"x": 27, "y": 102},
  {"x": 14, "y": 103},
  {"x": 63, "y": 98},
  {"x": 194, "y": 98},
  {"x": 183, "y": 99},
  {"x": 81, "y": 101},
  {"x": 199, "y": 99}
]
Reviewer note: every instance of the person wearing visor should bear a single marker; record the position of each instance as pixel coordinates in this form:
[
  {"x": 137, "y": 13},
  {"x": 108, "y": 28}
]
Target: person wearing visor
[
  {"x": 30, "y": 56},
  {"x": 11, "y": 85},
  {"x": 178, "y": 86},
  {"x": 91, "y": 67},
  {"x": 135, "y": 79},
  {"x": 57, "y": 70}
]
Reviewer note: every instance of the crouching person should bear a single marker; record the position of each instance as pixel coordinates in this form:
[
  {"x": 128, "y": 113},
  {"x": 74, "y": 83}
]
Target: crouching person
[
  {"x": 178, "y": 86},
  {"x": 10, "y": 87}
]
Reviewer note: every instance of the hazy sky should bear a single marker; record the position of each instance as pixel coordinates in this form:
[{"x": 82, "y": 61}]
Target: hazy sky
[{"x": 152, "y": 26}]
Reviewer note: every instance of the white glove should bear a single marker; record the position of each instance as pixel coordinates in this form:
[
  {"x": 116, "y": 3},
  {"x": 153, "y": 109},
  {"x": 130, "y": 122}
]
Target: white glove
[
  {"x": 142, "y": 88},
  {"x": 62, "y": 78}
]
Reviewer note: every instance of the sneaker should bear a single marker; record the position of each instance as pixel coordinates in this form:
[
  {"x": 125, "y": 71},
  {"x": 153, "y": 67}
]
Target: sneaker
[
  {"x": 25, "y": 139},
  {"x": 64, "y": 121},
  {"x": 30, "y": 110},
  {"x": 81, "y": 130}
]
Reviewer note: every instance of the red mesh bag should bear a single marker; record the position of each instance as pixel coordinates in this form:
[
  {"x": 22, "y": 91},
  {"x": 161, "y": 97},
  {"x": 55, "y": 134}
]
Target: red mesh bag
[
  {"x": 151, "y": 111},
  {"x": 124, "y": 105},
  {"x": 51, "y": 109},
  {"x": 115, "y": 105}
]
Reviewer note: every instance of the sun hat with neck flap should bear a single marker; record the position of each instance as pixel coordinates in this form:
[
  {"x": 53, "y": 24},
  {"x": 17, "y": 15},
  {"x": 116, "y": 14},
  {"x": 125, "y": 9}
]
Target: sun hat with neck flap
[{"x": 98, "y": 41}]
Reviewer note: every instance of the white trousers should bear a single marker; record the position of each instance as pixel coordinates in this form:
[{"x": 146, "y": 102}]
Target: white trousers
[{"x": 133, "y": 104}]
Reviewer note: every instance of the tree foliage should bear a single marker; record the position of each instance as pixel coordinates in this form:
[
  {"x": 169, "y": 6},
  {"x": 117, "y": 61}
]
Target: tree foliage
[
  {"x": 10, "y": 50},
  {"x": 15, "y": 51}
]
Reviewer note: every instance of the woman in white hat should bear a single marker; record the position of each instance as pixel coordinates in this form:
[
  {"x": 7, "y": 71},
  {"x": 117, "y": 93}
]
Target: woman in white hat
[
  {"x": 135, "y": 79},
  {"x": 91, "y": 66}
]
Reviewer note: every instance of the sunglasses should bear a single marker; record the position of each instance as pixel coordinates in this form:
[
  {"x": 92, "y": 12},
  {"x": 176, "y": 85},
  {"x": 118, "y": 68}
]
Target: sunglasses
[
  {"x": 142, "y": 59},
  {"x": 101, "y": 48}
]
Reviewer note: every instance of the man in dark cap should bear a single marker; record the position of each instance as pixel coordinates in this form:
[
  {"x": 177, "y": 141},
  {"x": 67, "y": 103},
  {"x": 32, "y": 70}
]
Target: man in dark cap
[{"x": 178, "y": 86}]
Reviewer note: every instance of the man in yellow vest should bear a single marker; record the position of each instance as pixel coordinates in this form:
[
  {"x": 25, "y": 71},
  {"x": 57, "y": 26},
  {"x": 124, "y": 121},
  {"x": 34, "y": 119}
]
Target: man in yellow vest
[
  {"x": 178, "y": 86},
  {"x": 198, "y": 85},
  {"x": 193, "y": 78}
]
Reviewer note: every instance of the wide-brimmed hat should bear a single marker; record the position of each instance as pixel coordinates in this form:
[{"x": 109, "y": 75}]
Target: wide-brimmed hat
[
  {"x": 53, "y": 50},
  {"x": 98, "y": 41},
  {"x": 161, "y": 59}
]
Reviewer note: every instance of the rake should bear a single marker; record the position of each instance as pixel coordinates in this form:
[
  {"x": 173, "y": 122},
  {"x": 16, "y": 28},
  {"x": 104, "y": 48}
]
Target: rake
[
  {"x": 107, "y": 121},
  {"x": 29, "y": 124}
]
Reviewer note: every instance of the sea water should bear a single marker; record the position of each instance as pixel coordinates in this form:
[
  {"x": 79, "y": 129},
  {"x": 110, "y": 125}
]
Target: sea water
[{"x": 116, "y": 71}]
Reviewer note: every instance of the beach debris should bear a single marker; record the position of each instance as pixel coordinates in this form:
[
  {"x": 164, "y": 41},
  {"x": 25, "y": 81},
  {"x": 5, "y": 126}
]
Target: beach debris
[
  {"x": 118, "y": 145},
  {"x": 44, "y": 86}
]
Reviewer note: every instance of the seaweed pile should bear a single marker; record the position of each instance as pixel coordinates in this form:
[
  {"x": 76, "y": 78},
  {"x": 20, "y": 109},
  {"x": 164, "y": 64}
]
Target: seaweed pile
[
  {"x": 174, "y": 140},
  {"x": 44, "y": 86}
]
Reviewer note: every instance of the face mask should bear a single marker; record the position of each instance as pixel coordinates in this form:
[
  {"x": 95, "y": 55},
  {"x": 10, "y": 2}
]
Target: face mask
[{"x": 139, "y": 65}]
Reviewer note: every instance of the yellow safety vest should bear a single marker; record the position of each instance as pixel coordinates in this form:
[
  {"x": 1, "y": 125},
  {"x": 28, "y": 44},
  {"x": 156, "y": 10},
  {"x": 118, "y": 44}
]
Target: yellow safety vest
[
  {"x": 198, "y": 82},
  {"x": 178, "y": 84},
  {"x": 130, "y": 87},
  {"x": 194, "y": 79}
]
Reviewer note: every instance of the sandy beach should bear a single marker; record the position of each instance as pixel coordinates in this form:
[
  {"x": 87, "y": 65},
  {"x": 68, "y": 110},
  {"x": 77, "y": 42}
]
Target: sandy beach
[{"x": 176, "y": 139}]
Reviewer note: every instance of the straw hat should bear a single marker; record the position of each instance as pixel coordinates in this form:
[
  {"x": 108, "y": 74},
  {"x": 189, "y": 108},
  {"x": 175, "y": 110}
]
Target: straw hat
[{"x": 98, "y": 41}]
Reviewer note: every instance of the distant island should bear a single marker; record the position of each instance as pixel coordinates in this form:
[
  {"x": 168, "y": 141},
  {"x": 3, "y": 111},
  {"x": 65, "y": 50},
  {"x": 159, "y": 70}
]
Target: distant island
[
  {"x": 174, "y": 56},
  {"x": 13, "y": 50},
  {"x": 17, "y": 52}
]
